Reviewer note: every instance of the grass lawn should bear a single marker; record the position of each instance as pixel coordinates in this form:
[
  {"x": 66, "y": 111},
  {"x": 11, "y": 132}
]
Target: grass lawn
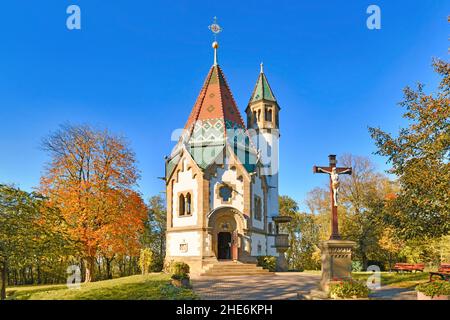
[
  {"x": 403, "y": 280},
  {"x": 154, "y": 286}
]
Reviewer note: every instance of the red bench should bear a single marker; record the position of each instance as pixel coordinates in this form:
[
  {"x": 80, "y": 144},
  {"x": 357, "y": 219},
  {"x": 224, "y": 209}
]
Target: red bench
[
  {"x": 443, "y": 272},
  {"x": 409, "y": 267}
]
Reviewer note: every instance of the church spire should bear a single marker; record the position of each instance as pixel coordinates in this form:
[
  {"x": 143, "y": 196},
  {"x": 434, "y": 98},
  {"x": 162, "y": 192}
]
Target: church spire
[{"x": 262, "y": 90}]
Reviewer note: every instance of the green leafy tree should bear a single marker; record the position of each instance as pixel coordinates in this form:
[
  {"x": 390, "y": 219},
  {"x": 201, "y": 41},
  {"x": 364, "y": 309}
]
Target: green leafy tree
[
  {"x": 363, "y": 199},
  {"x": 17, "y": 229},
  {"x": 26, "y": 235},
  {"x": 303, "y": 236},
  {"x": 420, "y": 157},
  {"x": 391, "y": 244},
  {"x": 155, "y": 231}
]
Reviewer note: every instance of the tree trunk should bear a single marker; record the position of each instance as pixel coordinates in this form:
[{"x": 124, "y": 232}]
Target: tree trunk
[
  {"x": 3, "y": 278},
  {"x": 391, "y": 259},
  {"x": 24, "y": 275},
  {"x": 39, "y": 279},
  {"x": 90, "y": 269},
  {"x": 99, "y": 267},
  {"x": 83, "y": 270},
  {"x": 31, "y": 275},
  {"x": 364, "y": 262},
  {"x": 130, "y": 266},
  {"x": 108, "y": 268}
]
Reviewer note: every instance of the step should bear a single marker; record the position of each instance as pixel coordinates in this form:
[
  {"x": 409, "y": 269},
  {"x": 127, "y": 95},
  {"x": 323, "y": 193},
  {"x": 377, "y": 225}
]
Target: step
[
  {"x": 226, "y": 274},
  {"x": 233, "y": 269},
  {"x": 241, "y": 271}
]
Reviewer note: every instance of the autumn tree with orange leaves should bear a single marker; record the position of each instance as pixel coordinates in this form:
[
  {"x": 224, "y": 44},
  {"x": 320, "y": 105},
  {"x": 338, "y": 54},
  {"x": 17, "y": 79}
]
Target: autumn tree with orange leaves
[{"x": 90, "y": 179}]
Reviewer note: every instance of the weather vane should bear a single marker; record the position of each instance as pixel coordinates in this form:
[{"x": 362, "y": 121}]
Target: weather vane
[{"x": 215, "y": 28}]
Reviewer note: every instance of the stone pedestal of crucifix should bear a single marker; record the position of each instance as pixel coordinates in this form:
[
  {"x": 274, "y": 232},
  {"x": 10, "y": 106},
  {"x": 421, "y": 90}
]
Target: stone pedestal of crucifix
[{"x": 336, "y": 253}]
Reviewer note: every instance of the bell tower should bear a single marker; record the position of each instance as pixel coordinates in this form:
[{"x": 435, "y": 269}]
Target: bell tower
[
  {"x": 262, "y": 110},
  {"x": 263, "y": 126}
]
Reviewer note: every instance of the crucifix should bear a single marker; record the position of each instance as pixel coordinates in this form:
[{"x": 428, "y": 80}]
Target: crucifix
[{"x": 334, "y": 173}]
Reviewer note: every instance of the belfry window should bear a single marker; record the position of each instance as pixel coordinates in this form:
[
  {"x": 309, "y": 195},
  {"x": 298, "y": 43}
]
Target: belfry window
[
  {"x": 268, "y": 115},
  {"x": 225, "y": 193},
  {"x": 181, "y": 205},
  {"x": 188, "y": 204}
]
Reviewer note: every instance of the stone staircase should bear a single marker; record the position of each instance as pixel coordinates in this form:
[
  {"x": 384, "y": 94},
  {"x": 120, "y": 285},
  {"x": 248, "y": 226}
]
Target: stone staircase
[{"x": 230, "y": 268}]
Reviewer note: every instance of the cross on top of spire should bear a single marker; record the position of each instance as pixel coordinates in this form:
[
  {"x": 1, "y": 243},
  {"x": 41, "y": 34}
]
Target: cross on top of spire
[{"x": 215, "y": 29}]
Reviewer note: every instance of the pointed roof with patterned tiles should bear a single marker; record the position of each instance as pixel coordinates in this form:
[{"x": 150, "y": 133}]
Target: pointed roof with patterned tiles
[{"x": 215, "y": 101}]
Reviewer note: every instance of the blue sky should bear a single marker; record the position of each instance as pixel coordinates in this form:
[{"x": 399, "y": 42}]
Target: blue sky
[{"x": 136, "y": 67}]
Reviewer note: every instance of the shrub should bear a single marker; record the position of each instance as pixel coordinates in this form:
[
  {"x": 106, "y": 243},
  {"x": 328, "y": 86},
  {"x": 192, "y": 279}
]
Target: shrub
[
  {"x": 145, "y": 260},
  {"x": 357, "y": 266},
  {"x": 180, "y": 270},
  {"x": 349, "y": 289},
  {"x": 435, "y": 288},
  {"x": 268, "y": 262}
]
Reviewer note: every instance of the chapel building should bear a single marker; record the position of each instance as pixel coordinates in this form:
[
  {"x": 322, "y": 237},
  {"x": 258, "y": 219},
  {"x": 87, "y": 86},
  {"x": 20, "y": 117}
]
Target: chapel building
[{"x": 222, "y": 177}]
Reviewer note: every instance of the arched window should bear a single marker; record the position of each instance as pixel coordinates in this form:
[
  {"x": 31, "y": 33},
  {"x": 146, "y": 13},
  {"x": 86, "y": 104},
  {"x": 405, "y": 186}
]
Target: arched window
[
  {"x": 268, "y": 114},
  {"x": 181, "y": 206},
  {"x": 188, "y": 204}
]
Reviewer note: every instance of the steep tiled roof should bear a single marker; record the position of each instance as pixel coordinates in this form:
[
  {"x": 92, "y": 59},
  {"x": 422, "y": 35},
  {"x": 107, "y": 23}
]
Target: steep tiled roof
[
  {"x": 215, "y": 101},
  {"x": 214, "y": 123}
]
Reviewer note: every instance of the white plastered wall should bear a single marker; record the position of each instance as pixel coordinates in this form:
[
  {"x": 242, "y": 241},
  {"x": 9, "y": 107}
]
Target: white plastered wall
[
  {"x": 176, "y": 241},
  {"x": 185, "y": 183},
  {"x": 258, "y": 240}
]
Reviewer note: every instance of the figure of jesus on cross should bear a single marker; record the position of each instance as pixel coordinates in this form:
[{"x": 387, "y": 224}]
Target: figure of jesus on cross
[{"x": 334, "y": 173}]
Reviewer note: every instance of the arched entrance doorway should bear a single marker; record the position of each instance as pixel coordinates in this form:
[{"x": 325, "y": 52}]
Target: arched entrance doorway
[
  {"x": 224, "y": 246},
  {"x": 227, "y": 227}
]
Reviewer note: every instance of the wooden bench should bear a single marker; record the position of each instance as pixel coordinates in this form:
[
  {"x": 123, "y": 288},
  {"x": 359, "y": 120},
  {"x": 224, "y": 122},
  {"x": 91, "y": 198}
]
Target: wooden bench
[
  {"x": 409, "y": 267},
  {"x": 443, "y": 272}
]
